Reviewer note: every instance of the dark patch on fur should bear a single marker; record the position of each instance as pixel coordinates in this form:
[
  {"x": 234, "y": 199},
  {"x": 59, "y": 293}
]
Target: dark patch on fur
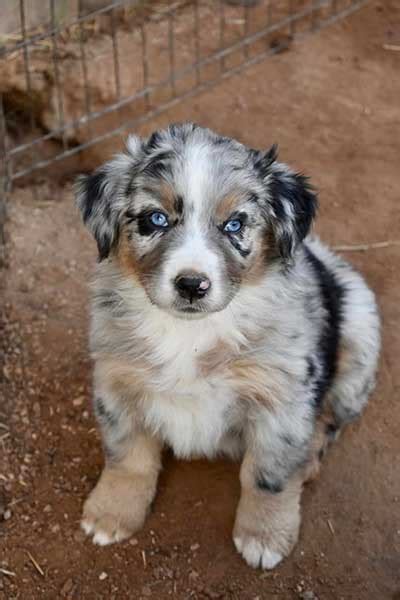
[
  {"x": 92, "y": 189},
  {"x": 130, "y": 216},
  {"x": 109, "y": 452},
  {"x": 145, "y": 227},
  {"x": 263, "y": 161},
  {"x": 154, "y": 141},
  {"x": 331, "y": 430},
  {"x": 235, "y": 238},
  {"x": 269, "y": 485},
  {"x": 156, "y": 166},
  {"x": 278, "y": 210},
  {"x": 310, "y": 369},
  {"x": 253, "y": 199},
  {"x": 103, "y": 245},
  {"x": 182, "y": 132},
  {"x": 221, "y": 141},
  {"x": 97, "y": 211},
  {"x": 295, "y": 189},
  {"x": 244, "y": 252},
  {"x": 178, "y": 205},
  {"x": 289, "y": 441},
  {"x": 105, "y": 416},
  {"x": 106, "y": 299},
  {"x": 132, "y": 187},
  {"x": 332, "y": 295}
]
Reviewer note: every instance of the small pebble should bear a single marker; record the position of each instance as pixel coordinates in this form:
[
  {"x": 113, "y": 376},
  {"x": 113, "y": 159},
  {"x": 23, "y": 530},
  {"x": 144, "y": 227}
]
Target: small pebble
[
  {"x": 194, "y": 547},
  {"x": 67, "y": 587},
  {"x": 133, "y": 542},
  {"x": 103, "y": 576},
  {"x": 7, "y": 514},
  {"x": 78, "y": 401}
]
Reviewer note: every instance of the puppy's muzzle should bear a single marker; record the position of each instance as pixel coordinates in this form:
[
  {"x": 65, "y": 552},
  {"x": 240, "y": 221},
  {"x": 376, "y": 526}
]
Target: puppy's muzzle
[{"x": 192, "y": 286}]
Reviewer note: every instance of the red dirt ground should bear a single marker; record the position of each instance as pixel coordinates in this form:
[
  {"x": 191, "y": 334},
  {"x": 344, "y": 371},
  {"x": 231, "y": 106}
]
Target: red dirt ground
[{"x": 332, "y": 103}]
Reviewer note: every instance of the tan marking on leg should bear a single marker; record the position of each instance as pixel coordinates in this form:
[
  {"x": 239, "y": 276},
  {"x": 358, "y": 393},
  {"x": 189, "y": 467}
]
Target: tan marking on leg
[
  {"x": 320, "y": 444},
  {"x": 267, "y": 525},
  {"x": 313, "y": 466},
  {"x": 118, "y": 505}
]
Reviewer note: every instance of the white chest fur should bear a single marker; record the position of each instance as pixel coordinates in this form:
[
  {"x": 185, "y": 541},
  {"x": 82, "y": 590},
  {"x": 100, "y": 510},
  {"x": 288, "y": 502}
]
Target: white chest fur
[
  {"x": 190, "y": 412},
  {"x": 192, "y": 421}
]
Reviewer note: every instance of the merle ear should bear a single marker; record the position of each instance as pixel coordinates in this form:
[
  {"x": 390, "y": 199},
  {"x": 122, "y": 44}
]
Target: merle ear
[
  {"x": 103, "y": 196},
  {"x": 292, "y": 202},
  {"x": 95, "y": 205}
]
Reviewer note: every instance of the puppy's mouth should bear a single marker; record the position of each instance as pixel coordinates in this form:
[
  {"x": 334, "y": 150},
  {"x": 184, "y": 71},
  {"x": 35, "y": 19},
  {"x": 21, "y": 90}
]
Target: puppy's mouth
[
  {"x": 196, "y": 310},
  {"x": 191, "y": 311},
  {"x": 186, "y": 310}
]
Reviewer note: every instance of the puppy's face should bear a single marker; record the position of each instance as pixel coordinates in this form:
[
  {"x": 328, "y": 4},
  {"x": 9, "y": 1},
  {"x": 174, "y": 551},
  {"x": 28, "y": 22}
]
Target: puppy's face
[
  {"x": 193, "y": 216},
  {"x": 194, "y": 228}
]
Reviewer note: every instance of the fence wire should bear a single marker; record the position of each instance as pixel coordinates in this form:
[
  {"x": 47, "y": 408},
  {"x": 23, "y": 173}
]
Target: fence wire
[{"x": 72, "y": 83}]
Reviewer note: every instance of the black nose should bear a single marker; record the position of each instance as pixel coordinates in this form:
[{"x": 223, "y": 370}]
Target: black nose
[{"x": 192, "y": 287}]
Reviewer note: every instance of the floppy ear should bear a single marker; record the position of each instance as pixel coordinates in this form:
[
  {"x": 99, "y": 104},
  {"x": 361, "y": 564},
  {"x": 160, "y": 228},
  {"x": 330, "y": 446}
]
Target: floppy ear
[
  {"x": 292, "y": 202},
  {"x": 103, "y": 196}
]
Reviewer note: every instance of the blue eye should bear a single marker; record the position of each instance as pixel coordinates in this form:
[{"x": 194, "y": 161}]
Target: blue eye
[
  {"x": 159, "y": 219},
  {"x": 233, "y": 226}
]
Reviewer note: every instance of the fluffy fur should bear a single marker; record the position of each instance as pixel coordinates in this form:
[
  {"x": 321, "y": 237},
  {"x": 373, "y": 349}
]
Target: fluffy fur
[{"x": 265, "y": 365}]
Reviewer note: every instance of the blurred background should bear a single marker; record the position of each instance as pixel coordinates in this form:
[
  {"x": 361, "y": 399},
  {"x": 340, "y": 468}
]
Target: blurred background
[{"x": 318, "y": 77}]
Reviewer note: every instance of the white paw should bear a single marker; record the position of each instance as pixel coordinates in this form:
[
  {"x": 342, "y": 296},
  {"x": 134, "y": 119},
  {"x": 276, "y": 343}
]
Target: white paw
[
  {"x": 257, "y": 554},
  {"x": 116, "y": 508},
  {"x": 105, "y": 529},
  {"x": 101, "y": 538}
]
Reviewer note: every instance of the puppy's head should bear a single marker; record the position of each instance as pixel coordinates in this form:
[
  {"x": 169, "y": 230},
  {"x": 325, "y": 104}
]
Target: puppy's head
[{"x": 192, "y": 216}]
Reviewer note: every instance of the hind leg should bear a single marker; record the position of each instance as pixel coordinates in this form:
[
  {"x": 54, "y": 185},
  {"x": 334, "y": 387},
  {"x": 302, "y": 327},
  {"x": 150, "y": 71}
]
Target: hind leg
[
  {"x": 358, "y": 350},
  {"x": 345, "y": 404},
  {"x": 355, "y": 379},
  {"x": 326, "y": 432},
  {"x": 357, "y": 357}
]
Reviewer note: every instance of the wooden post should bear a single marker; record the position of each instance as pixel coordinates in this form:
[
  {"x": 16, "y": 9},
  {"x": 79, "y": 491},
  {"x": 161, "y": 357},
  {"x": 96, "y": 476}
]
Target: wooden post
[{"x": 37, "y": 14}]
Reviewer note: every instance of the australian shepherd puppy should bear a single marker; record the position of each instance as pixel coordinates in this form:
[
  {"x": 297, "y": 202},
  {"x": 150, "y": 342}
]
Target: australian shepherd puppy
[{"x": 218, "y": 328}]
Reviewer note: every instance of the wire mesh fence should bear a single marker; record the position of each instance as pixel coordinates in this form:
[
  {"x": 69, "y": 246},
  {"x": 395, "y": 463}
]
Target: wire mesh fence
[{"x": 75, "y": 80}]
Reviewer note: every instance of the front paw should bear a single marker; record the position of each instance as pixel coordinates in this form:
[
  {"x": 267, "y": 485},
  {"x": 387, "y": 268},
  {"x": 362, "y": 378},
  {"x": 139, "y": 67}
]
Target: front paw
[
  {"x": 266, "y": 528},
  {"x": 256, "y": 552},
  {"x": 117, "y": 507}
]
